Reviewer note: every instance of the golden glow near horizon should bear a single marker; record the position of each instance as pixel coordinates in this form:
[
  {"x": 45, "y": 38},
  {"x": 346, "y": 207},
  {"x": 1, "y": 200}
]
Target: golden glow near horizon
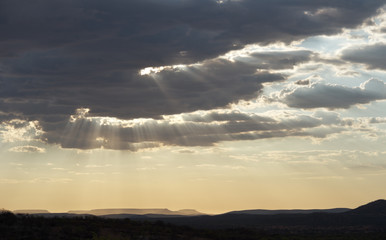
[{"x": 213, "y": 180}]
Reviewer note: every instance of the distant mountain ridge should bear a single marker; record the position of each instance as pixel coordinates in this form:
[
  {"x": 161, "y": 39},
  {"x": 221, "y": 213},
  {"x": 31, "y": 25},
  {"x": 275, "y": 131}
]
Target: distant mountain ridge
[
  {"x": 136, "y": 211},
  {"x": 31, "y": 211},
  {"x": 376, "y": 208}
]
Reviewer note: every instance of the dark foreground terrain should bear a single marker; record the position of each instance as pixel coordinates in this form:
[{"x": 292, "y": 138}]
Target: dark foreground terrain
[{"x": 365, "y": 222}]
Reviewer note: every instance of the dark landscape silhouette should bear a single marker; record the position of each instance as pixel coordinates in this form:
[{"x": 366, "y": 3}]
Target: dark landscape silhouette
[{"x": 365, "y": 222}]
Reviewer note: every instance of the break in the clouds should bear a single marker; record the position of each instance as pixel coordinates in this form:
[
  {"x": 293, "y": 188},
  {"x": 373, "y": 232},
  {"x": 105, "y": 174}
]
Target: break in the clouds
[
  {"x": 332, "y": 96},
  {"x": 147, "y": 59}
]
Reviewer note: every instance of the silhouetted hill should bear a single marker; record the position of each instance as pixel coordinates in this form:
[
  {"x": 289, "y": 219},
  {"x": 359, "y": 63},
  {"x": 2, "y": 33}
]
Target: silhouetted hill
[
  {"x": 370, "y": 215},
  {"x": 61, "y": 215},
  {"x": 377, "y": 207},
  {"x": 30, "y": 211},
  {"x": 289, "y": 211},
  {"x": 365, "y": 222}
]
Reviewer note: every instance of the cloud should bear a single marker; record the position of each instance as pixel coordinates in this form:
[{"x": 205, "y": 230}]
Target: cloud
[
  {"x": 303, "y": 82},
  {"x": 36, "y": 180},
  {"x": 87, "y": 132},
  {"x": 332, "y": 96},
  {"x": 27, "y": 149},
  {"x": 57, "y": 56},
  {"x": 19, "y": 130},
  {"x": 372, "y": 55},
  {"x": 163, "y": 29},
  {"x": 211, "y": 84},
  {"x": 377, "y": 120},
  {"x": 282, "y": 59}
]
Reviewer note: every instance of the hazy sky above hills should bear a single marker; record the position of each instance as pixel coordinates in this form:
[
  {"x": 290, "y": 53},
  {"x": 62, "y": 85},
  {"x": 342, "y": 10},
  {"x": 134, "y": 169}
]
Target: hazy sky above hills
[{"x": 204, "y": 104}]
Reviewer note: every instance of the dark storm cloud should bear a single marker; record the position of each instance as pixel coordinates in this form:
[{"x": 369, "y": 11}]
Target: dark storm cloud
[
  {"x": 60, "y": 55},
  {"x": 303, "y": 82},
  {"x": 94, "y": 132},
  {"x": 374, "y": 56},
  {"x": 213, "y": 84},
  {"x": 321, "y": 95},
  {"x": 202, "y": 28}
]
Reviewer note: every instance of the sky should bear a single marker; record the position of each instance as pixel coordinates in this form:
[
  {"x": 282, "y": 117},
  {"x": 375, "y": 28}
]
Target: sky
[{"x": 200, "y": 104}]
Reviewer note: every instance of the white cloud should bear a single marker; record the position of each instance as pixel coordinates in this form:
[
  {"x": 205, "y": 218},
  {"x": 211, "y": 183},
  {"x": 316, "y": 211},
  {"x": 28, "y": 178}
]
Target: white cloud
[
  {"x": 27, "y": 149},
  {"x": 202, "y": 128},
  {"x": 19, "y": 130},
  {"x": 331, "y": 96}
]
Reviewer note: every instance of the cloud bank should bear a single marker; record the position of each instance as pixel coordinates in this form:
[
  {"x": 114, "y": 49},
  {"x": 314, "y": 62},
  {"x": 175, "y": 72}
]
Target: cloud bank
[
  {"x": 332, "y": 96},
  {"x": 57, "y": 56},
  {"x": 192, "y": 129},
  {"x": 371, "y": 55}
]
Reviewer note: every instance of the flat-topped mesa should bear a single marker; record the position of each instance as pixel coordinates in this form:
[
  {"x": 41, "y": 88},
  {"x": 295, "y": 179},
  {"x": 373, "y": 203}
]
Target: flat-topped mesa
[
  {"x": 189, "y": 212},
  {"x": 135, "y": 211}
]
